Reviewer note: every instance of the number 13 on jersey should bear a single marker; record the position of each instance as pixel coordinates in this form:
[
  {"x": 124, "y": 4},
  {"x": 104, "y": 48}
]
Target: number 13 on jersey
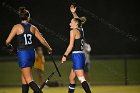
[{"x": 28, "y": 39}]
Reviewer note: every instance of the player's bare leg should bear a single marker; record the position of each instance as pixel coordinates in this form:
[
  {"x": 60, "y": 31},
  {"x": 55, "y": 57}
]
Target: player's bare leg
[
  {"x": 72, "y": 81},
  {"x": 25, "y": 86},
  {"x": 80, "y": 75},
  {"x": 26, "y": 72}
]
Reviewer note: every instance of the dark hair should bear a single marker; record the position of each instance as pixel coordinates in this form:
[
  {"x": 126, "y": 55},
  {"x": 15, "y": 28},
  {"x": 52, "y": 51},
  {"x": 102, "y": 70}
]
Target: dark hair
[
  {"x": 80, "y": 21},
  {"x": 23, "y": 13}
]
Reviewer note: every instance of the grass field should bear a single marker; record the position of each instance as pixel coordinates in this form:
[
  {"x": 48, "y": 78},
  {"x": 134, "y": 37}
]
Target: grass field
[
  {"x": 95, "y": 89},
  {"x": 102, "y": 72}
]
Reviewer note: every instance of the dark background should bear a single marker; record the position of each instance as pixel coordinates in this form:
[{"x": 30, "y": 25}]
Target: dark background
[{"x": 55, "y": 15}]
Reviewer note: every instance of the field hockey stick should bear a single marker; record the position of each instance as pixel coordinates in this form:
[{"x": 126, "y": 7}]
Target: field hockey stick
[
  {"x": 49, "y": 77},
  {"x": 55, "y": 65}
]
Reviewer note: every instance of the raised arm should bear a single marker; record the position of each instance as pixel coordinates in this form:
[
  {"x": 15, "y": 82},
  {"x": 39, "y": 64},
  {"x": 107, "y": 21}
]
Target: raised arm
[
  {"x": 73, "y": 11},
  {"x": 11, "y": 35},
  {"x": 42, "y": 40}
]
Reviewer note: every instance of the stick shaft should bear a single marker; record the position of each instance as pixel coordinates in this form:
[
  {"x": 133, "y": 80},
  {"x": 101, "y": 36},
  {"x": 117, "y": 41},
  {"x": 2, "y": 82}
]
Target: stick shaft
[{"x": 55, "y": 66}]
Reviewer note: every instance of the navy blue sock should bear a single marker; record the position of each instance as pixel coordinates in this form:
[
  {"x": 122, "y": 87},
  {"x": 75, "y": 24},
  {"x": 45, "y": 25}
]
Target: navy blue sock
[
  {"x": 86, "y": 87},
  {"x": 25, "y": 88},
  {"x": 71, "y": 88},
  {"x": 34, "y": 87}
]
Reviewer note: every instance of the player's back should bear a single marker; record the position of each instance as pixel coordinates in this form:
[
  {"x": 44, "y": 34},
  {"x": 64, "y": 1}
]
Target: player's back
[{"x": 26, "y": 39}]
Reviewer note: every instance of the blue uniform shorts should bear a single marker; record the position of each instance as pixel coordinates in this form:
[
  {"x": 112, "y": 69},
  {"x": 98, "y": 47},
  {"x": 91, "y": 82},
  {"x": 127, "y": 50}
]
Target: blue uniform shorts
[
  {"x": 78, "y": 59},
  {"x": 26, "y": 58}
]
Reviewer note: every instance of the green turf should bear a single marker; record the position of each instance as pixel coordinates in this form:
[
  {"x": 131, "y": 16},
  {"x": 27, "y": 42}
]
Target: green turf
[
  {"x": 94, "y": 89},
  {"x": 103, "y": 72}
]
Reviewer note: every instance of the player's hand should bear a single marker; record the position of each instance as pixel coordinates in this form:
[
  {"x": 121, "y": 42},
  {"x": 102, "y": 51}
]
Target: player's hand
[
  {"x": 10, "y": 48},
  {"x": 72, "y": 8},
  {"x": 50, "y": 51},
  {"x": 63, "y": 59}
]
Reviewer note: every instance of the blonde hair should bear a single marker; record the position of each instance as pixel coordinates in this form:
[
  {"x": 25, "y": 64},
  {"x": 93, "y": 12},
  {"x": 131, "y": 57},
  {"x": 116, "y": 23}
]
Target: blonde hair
[
  {"x": 80, "y": 21},
  {"x": 83, "y": 19}
]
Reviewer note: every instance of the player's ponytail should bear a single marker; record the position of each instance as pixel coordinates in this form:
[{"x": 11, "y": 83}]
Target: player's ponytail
[
  {"x": 80, "y": 21},
  {"x": 83, "y": 20},
  {"x": 23, "y": 13}
]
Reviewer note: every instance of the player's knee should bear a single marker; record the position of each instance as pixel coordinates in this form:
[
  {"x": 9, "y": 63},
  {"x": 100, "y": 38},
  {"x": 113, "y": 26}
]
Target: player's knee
[
  {"x": 81, "y": 78},
  {"x": 72, "y": 79},
  {"x": 28, "y": 79}
]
